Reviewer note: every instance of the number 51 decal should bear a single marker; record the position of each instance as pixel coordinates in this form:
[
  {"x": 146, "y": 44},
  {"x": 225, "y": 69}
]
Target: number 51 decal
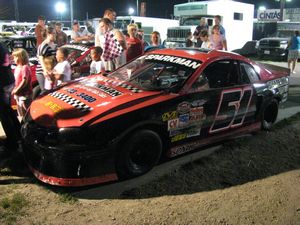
[{"x": 232, "y": 109}]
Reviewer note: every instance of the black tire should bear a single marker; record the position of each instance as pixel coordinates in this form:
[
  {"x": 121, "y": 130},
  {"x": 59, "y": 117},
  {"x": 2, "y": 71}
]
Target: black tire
[
  {"x": 138, "y": 154},
  {"x": 269, "y": 115}
]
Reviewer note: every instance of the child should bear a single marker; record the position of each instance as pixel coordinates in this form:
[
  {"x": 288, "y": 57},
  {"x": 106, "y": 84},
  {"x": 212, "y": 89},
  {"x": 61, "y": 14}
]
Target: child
[
  {"x": 188, "y": 41},
  {"x": 62, "y": 71},
  {"x": 49, "y": 63},
  {"x": 205, "y": 40},
  {"x": 97, "y": 65},
  {"x": 23, "y": 89}
]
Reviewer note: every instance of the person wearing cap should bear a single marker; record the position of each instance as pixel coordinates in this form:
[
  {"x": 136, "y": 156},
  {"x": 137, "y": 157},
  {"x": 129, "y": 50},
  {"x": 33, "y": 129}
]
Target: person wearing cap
[
  {"x": 40, "y": 31},
  {"x": 78, "y": 36}
]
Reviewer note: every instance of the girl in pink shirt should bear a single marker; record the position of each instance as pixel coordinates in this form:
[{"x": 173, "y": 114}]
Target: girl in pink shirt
[
  {"x": 23, "y": 89},
  {"x": 217, "y": 40}
]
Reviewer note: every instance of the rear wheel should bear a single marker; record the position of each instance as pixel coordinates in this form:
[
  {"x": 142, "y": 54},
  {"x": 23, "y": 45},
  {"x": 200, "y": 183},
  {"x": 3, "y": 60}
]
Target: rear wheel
[
  {"x": 138, "y": 154},
  {"x": 269, "y": 115}
]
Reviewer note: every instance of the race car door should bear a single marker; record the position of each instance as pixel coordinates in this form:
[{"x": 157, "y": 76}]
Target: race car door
[{"x": 226, "y": 97}]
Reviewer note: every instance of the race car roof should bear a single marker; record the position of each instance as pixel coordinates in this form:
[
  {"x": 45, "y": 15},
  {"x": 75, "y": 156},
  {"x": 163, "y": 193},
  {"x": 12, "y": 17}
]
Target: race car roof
[{"x": 198, "y": 53}]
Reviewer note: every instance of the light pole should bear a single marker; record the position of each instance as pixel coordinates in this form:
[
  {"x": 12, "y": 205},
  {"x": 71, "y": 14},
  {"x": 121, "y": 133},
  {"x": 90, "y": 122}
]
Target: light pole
[
  {"x": 137, "y": 7},
  {"x": 71, "y": 11},
  {"x": 282, "y": 3},
  {"x": 60, "y": 7}
]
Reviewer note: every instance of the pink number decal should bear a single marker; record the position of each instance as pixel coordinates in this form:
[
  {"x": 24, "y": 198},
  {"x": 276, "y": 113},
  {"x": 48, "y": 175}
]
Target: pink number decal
[{"x": 232, "y": 109}]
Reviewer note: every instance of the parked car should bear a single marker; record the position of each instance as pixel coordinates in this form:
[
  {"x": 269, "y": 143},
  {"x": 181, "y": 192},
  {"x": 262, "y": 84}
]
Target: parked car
[
  {"x": 275, "y": 46},
  {"x": 165, "y": 103},
  {"x": 248, "y": 49},
  {"x": 30, "y": 31},
  {"x": 17, "y": 41}
]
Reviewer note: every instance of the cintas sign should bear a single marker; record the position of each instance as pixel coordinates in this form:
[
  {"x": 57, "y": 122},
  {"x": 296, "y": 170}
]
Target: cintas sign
[{"x": 268, "y": 15}]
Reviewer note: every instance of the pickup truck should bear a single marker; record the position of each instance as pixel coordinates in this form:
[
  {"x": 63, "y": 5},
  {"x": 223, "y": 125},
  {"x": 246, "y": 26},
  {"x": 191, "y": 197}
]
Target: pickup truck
[{"x": 276, "y": 45}]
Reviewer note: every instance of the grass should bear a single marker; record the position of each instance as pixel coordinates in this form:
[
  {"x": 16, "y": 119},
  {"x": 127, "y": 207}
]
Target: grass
[
  {"x": 67, "y": 198},
  {"x": 12, "y": 208}
]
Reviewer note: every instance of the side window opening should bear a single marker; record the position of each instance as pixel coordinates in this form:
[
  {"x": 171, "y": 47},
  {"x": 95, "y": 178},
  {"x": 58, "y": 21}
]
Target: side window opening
[
  {"x": 222, "y": 74},
  {"x": 248, "y": 74}
]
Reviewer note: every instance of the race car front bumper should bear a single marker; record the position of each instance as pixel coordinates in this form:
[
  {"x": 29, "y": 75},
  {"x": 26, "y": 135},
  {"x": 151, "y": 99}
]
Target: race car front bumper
[{"x": 67, "y": 164}]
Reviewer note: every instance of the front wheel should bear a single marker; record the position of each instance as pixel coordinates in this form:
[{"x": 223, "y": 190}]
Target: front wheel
[
  {"x": 138, "y": 154},
  {"x": 269, "y": 115}
]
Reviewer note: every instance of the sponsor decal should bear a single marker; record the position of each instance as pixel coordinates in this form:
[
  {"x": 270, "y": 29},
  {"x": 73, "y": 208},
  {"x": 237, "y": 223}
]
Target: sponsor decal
[
  {"x": 173, "y": 124},
  {"x": 197, "y": 114},
  {"x": 108, "y": 90},
  {"x": 183, "y": 107},
  {"x": 82, "y": 95},
  {"x": 198, "y": 103},
  {"x": 196, "y": 118},
  {"x": 96, "y": 79},
  {"x": 184, "y": 120},
  {"x": 196, "y": 110},
  {"x": 53, "y": 106},
  {"x": 174, "y": 132},
  {"x": 194, "y": 132},
  {"x": 90, "y": 89},
  {"x": 178, "y": 137},
  {"x": 169, "y": 115},
  {"x": 174, "y": 59},
  {"x": 178, "y": 150}
]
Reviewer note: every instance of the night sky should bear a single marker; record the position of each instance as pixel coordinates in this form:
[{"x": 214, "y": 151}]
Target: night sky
[{"x": 30, "y": 9}]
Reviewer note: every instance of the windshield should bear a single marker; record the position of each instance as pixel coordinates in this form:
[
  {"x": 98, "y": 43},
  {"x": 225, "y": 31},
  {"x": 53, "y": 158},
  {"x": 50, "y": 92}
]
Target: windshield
[
  {"x": 156, "y": 72},
  {"x": 122, "y": 24},
  {"x": 189, "y": 21}
]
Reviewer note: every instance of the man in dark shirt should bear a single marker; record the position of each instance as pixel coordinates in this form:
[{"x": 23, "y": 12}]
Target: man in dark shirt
[
  {"x": 202, "y": 26},
  {"x": 9, "y": 120}
]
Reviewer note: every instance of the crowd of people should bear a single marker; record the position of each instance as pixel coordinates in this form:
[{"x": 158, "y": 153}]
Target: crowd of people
[{"x": 203, "y": 38}]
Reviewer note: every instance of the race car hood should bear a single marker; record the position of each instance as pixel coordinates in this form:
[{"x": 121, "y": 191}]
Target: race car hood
[{"x": 78, "y": 103}]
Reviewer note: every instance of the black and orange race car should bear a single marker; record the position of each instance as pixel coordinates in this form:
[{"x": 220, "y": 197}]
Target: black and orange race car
[{"x": 163, "y": 104}]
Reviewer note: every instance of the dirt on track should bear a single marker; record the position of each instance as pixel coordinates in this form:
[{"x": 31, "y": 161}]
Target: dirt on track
[{"x": 253, "y": 180}]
